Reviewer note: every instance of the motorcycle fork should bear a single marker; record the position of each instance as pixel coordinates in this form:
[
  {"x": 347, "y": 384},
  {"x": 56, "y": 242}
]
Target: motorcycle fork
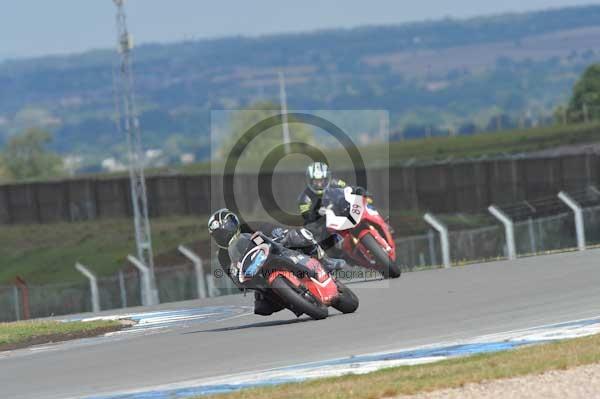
[{"x": 356, "y": 251}]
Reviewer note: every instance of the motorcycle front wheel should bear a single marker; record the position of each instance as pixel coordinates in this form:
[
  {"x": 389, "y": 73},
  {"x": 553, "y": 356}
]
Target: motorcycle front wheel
[
  {"x": 296, "y": 301},
  {"x": 347, "y": 301},
  {"x": 386, "y": 266}
]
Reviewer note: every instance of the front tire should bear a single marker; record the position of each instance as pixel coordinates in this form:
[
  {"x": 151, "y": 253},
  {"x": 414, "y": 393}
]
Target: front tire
[
  {"x": 296, "y": 301},
  {"x": 347, "y": 301},
  {"x": 386, "y": 266}
]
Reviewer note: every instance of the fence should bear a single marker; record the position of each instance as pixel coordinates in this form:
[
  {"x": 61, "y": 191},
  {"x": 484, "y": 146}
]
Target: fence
[
  {"x": 174, "y": 283},
  {"x": 532, "y": 237}
]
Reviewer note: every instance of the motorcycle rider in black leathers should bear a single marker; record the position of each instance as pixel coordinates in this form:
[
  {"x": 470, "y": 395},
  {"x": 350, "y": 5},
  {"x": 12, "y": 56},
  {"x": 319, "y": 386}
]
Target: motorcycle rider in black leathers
[
  {"x": 224, "y": 227},
  {"x": 318, "y": 179}
]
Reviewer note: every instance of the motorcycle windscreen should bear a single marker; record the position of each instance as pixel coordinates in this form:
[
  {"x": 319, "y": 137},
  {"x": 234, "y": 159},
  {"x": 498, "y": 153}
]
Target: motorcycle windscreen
[
  {"x": 252, "y": 262},
  {"x": 344, "y": 209}
]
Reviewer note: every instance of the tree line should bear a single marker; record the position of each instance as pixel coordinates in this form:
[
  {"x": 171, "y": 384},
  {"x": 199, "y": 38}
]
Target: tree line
[{"x": 26, "y": 156}]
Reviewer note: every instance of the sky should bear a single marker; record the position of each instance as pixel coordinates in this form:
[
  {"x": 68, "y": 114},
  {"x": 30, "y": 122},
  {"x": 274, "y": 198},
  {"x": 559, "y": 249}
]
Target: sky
[{"x": 42, "y": 27}]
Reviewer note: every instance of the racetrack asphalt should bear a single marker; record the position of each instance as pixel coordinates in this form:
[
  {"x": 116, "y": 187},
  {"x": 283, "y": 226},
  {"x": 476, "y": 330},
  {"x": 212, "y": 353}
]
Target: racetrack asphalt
[{"x": 419, "y": 308}]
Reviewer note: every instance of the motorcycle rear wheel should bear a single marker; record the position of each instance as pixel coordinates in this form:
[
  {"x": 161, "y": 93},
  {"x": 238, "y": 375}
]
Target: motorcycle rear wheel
[
  {"x": 296, "y": 301},
  {"x": 386, "y": 266}
]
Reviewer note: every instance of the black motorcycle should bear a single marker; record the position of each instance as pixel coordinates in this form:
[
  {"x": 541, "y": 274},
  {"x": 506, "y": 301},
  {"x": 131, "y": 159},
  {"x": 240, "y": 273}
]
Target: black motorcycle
[{"x": 299, "y": 282}]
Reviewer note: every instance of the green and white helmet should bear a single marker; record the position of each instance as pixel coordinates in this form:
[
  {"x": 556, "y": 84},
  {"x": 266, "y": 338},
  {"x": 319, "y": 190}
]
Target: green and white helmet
[{"x": 318, "y": 177}]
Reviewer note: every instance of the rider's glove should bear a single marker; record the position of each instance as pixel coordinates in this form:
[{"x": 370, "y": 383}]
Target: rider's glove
[
  {"x": 359, "y": 191},
  {"x": 278, "y": 233},
  {"x": 363, "y": 192},
  {"x": 322, "y": 211}
]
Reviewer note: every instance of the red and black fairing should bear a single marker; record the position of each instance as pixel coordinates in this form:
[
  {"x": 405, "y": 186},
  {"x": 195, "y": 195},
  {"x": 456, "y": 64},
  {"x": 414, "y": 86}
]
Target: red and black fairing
[
  {"x": 319, "y": 283},
  {"x": 270, "y": 260}
]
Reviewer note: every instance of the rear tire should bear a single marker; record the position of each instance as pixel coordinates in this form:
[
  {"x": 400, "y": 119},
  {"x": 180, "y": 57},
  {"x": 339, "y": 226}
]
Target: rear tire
[
  {"x": 297, "y": 302},
  {"x": 387, "y": 267},
  {"x": 347, "y": 301}
]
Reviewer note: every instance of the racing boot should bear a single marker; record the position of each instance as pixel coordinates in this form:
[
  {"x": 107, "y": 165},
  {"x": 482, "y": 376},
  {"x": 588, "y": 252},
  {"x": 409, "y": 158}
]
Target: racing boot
[
  {"x": 330, "y": 264},
  {"x": 264, "y": 306}
]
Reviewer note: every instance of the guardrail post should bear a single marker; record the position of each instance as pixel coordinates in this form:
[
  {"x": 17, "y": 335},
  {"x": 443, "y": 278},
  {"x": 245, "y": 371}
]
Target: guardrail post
[
  {"x": 532, "y": 240},
  {"x": 431, "y": 239},
  {"x": 149, "y": 294},
  {"x": 509, "y": 228},
  {"x": 17, "y": 302},
  {"x": 122, "y": 289},
  {"x": 579, "y": 224},
  {"x": 200, "y": 281},
  {"x": 93, "y": 286},
  {"x": 212, "y": 288},
  {"x": 443, "y": 230},
  {"x": 22, "y": 286}
]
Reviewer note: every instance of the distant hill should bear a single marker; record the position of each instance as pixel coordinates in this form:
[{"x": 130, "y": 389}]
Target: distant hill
[{"x": 432, "y": 76}]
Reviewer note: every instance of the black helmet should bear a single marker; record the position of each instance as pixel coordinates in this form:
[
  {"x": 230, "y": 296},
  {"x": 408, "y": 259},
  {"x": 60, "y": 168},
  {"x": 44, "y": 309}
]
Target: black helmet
[
  {"x": 318, "y": 177},
  {"x": 223, "y": 226}
]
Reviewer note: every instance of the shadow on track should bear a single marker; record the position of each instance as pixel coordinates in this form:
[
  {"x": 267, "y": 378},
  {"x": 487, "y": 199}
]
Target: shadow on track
[{"x": 259, "y": 325}]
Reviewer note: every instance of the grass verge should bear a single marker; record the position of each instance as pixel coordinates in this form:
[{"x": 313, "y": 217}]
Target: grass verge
[
  {"x": 46, "y": 253},
  {"x": 26, "y": 333},
  {"x": 445, "y": 374}
]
